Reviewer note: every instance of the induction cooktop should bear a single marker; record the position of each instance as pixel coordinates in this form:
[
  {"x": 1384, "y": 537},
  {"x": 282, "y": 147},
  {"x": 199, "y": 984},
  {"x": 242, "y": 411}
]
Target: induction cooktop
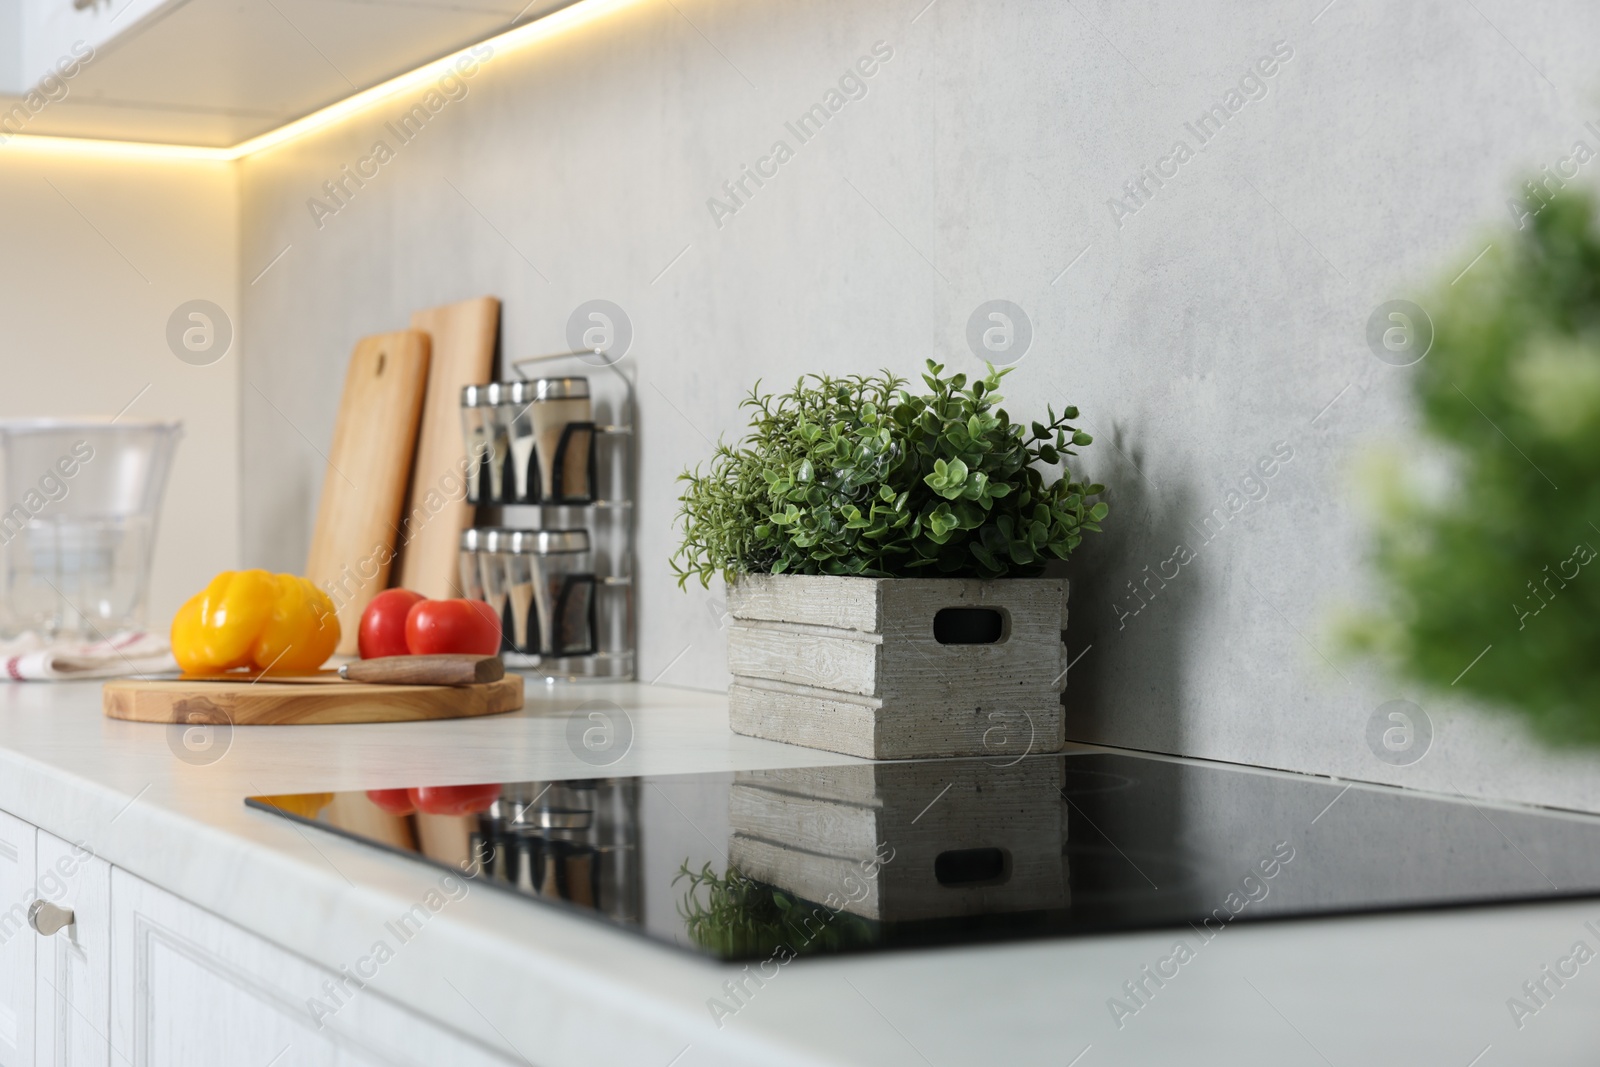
[{"x": 818, "y": 860}]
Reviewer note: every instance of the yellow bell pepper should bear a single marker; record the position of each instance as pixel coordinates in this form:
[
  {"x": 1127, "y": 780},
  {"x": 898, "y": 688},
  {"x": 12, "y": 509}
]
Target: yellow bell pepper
[{"x": 272, "y": 622}]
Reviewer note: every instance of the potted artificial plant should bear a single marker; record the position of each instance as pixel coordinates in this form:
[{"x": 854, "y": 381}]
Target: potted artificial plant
[{"x": 883, "y": 553}]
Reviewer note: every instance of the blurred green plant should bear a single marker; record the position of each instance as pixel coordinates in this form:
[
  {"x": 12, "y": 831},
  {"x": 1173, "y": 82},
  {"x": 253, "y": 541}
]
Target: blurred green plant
[
  {"x": 740, "y": 917},
  {"x": 857, "y": 476},
  {"x": 1484, "y": 584}
]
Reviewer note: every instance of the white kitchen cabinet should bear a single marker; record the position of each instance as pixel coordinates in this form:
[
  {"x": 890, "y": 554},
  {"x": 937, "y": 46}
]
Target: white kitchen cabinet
[
  {"x": 72, "y": 967},
  {"x": 52, "y": 29},
  {"x": 17, "y": 942},
  {"x": 189, "y": 989},
  {"x": 142, "y": 977},
  {"x": 216, "y": 72}
]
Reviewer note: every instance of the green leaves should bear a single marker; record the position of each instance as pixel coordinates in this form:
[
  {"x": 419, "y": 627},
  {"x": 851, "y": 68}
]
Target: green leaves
[
  {"x": 947, "y": 479},
  {"x": 855, "y": 475},
  {"x": 1498, "y": 558}
]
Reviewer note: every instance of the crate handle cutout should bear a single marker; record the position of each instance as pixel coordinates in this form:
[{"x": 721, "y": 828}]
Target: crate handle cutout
[
  {"x": 962, "y": 867},
  {"x": 969, "y": 626}
]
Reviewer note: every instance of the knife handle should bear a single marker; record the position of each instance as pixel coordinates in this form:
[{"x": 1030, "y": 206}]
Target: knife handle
[{"x": 426, "y": 670}]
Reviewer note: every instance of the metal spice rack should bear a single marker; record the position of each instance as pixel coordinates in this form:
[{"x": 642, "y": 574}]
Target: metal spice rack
[{"x": 607, "y": 516}]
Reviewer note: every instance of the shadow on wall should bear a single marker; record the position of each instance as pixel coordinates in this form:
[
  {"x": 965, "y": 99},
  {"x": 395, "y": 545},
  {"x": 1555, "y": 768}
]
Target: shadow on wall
[{"x": 1131, "y": 611}]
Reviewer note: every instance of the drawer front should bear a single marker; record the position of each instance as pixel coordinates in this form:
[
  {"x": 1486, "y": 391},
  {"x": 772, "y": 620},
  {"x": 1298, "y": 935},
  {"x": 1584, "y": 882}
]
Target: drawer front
[
  {"x": 18, "y": 944},
  {"x": 72, "y": 993},
  {"x": 190, "y": 989}
]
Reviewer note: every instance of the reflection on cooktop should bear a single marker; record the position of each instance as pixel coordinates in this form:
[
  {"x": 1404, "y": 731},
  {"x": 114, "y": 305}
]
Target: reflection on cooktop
[{"x": 794, "y": 862}]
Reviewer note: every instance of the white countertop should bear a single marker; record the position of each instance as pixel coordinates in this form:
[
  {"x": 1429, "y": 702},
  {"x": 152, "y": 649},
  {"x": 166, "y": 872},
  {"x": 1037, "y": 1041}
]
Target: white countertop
[{"x": 1425, "y": 988}]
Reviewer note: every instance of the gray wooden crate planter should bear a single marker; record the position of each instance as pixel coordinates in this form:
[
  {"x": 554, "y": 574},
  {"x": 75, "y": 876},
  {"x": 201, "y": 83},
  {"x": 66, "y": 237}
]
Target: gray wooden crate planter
[{"x": 857, "y": 665}]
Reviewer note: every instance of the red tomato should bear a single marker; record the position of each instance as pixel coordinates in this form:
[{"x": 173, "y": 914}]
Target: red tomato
[
  {"x": 468, "y": 626},
  {"x": 383, "y": 624},
  {"x": 393, "y": 801},
  {"x": 455, "y": 799}
]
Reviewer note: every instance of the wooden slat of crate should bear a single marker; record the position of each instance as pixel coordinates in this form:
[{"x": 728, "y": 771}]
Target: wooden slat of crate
[
  {"x": 909, "y": 667},
  {"x": 869, "y": 604},
  {"x": 813, "y": 599},
  {"x": 831, "y": 722},
  {"x": 925, "y": 728},
  {"x": 845, "y": 661}
]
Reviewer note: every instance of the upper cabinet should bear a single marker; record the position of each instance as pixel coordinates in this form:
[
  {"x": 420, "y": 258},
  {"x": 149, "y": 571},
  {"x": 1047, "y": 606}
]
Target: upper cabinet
[{"x": 215, "y": 73}]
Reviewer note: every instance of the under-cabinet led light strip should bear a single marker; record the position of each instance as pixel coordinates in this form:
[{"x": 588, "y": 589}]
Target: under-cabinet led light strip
[{"x": 575, "y": 14}]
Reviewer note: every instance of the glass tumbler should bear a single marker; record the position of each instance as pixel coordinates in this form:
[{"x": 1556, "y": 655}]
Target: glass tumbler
[{"x": 79, "y": 501}]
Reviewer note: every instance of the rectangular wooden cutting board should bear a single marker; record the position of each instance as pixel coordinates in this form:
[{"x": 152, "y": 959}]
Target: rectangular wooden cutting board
[
  {"x": 463, "y": 338},
  {"x": 296, "y": 703},
  {"x": 363, "y": 488}
]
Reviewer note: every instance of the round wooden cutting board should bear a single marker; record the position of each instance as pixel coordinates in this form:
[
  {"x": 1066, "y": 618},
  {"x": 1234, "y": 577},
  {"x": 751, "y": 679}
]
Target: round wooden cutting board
[{"x": 297, "y": 703}]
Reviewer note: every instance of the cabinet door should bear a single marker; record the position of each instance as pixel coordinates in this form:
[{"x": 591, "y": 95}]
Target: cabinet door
[
  {"x": 73, "y": 967},
  {"x": 189, "y": 989},
  {"x": 57, "y": 35},
  {"x": 17, "y": 942}
]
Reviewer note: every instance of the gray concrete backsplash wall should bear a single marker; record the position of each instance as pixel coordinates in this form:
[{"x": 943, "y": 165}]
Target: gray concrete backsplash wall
[{"x": 1196, "y": 207}]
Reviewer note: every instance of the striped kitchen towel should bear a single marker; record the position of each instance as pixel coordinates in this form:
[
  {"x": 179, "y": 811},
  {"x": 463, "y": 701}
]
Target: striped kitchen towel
[{"x": 32, "y": 657}]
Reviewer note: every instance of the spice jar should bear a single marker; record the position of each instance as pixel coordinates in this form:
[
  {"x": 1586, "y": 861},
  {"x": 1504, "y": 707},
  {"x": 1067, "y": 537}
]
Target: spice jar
[
  {"x": 478, "y": 426},
  {"x": 468, "y": 564},
  {"x": 559, "y": 429},
  {"x": 549, "y": 590},
  {"x": 522, "y": 486},
  {"x": 491, "y": 558},
  {"x": 502, "y": 480}
]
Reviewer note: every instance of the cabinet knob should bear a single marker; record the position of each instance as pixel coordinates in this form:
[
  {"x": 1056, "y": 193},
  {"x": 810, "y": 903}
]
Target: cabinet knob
[{"x": 47, "y": 918}]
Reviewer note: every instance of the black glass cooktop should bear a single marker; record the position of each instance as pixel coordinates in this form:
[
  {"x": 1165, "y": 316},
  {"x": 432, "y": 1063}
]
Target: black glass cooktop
[{"x": 755, "y": 864}]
